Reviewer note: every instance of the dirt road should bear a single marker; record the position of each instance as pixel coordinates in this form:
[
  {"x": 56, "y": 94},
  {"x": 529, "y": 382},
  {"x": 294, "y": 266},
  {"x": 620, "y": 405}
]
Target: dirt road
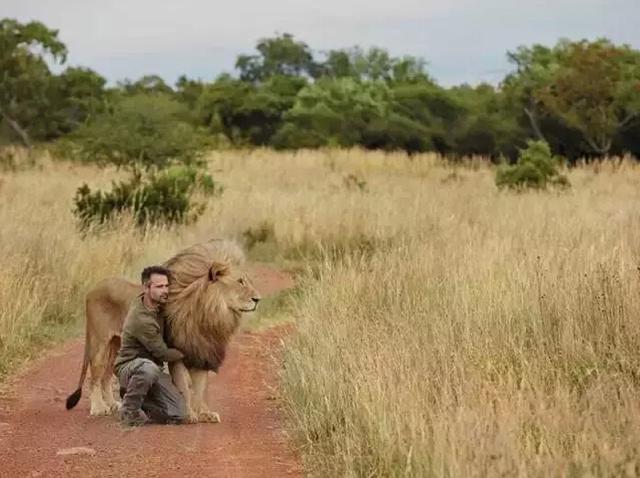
[{"x": 39, "y": 438}]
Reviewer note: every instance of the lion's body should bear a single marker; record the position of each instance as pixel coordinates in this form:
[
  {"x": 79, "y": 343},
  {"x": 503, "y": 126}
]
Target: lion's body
[{"x": 207, "y": 296}]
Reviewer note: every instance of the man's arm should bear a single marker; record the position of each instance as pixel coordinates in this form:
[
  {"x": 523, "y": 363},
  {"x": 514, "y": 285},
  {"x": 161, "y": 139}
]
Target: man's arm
[{"x": 149, "y": 336}]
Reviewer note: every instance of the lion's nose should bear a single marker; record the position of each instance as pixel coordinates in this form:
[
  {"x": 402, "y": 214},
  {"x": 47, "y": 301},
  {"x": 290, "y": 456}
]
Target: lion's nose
[{"x": 256, "y": 300}]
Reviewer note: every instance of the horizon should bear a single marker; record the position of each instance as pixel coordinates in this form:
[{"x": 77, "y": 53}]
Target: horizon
[{"x": 123, "y": 42}]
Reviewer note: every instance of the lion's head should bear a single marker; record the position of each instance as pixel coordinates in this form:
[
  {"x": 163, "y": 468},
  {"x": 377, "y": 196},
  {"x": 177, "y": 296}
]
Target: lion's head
[
  {"x": 238, "y": 291},
  {"x": 208, "y": 293}
]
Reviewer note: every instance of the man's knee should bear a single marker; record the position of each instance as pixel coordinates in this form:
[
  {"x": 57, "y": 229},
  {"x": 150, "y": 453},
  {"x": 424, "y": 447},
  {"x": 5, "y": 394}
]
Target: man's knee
[{"x": 148, "y": 371}]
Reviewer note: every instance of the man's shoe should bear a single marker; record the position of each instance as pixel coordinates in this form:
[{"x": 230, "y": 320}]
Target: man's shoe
[{"x": 134, "y": 418}]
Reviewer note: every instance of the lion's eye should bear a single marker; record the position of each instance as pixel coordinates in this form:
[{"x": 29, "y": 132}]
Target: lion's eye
[{"x": 241, "y": 281}]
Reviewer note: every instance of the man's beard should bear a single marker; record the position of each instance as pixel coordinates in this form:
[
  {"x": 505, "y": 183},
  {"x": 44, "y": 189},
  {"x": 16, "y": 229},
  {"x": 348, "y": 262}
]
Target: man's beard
[{"x": 161, "y": 301}]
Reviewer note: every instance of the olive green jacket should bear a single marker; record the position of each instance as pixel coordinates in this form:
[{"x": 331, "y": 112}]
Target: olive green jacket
[{"x": 143, "y": 336}]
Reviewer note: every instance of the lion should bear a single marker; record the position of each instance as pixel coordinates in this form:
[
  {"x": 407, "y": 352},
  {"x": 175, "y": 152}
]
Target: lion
[{"x": 208, "y": 295}]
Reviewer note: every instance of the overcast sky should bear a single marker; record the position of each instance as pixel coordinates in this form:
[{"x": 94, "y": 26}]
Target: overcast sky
[{"x": 462, "y": 40}]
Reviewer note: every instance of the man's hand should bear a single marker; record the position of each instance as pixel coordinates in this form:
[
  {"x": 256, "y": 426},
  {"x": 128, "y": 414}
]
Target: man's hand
[{"x": 173, "y": 355}]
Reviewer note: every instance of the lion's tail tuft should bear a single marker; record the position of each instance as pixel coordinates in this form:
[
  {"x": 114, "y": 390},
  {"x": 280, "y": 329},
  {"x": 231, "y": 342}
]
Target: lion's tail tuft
[{"x": 73, "y": 399}]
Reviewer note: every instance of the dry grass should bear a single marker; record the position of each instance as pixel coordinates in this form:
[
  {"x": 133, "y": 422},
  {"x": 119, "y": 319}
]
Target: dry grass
[
  {"x": 444, "y": 328},
  {"x": 497, "y": 335},
  {"x": 47, "y": 266}
]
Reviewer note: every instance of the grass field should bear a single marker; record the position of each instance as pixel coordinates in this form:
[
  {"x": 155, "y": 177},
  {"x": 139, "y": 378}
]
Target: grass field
[{"x": 443, "y": 328}]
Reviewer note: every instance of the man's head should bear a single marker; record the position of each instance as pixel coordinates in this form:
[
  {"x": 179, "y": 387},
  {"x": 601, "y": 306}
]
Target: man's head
[{"x": 155, "y": 281}]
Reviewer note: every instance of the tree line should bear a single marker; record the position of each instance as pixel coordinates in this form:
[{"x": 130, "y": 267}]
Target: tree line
[{"x": 581, "y": 97}]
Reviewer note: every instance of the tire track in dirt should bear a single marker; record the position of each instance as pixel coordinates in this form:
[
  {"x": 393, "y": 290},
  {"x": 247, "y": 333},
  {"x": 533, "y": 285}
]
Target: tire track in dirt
[{"x": 250, "y": 441}]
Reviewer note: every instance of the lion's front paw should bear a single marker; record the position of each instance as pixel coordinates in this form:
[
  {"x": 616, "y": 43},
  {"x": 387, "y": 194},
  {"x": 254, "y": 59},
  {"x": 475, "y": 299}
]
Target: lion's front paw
[
  {"x": 192, "y": 418},
  {"x": 209, "y": 417},
  {"x": 100, "y": 411},
  {"x": 115, "y": 407}
]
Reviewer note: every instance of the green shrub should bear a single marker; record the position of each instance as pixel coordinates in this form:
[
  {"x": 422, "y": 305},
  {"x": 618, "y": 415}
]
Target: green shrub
[
  {"x": 536, "y": 168},
  {"x": 165, "y": 197},
  {"x": 149, "y": 135},
  {"x": 143, "y": 132}
]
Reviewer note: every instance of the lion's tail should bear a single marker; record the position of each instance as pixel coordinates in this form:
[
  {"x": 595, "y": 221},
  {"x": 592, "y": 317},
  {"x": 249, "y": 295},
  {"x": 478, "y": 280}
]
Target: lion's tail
[{"x": 74, "y": 398}]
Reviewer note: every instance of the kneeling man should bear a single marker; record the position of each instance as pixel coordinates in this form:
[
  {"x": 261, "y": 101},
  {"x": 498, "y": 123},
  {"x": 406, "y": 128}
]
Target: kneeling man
[{"x": 149, "y": 393}]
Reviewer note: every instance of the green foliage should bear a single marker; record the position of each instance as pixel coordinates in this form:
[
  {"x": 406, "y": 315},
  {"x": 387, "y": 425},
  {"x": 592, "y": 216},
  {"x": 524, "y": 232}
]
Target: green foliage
[
  {"x": 279, "y": 56},
  {"x": 536, "y": 168},
  {"x": 374, "y": 64},
  {"x": 75, "y": 97},
  {"x": 148, "y": 84},
  {"x": 483, "y": 127},
  {"x": 24, "y": 74},
  {"x": 149, "y": 135},
  {"x": 582, "y": 98},
  {"x": 188, "y": 91},
  {"x": 143, "y": 132},
  {"x": 165, "y": 197},
  {"x": 424, "y": 116},
  {"x": 334, "y": 112},
  {"x": 596, "y": 90},
  {"x": 248, "y": 113},
  {"x": 576, "y": 91}
]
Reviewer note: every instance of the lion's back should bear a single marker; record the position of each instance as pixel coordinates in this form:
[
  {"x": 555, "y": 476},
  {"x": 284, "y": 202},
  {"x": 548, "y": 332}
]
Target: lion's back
[{"x": 107, "y": 304}]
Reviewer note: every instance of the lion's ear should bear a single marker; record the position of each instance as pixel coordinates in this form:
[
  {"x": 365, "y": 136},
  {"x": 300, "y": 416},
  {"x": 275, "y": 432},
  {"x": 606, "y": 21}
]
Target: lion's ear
[{"x": 217, "y": 270}]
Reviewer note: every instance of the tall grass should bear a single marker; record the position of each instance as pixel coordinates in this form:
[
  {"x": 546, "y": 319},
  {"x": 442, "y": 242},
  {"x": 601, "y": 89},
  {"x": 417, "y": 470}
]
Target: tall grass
[
  {"x": 443, "y": 328},
  {"x": 498, "y": 335},
  {"x": 47, "y": 266}
]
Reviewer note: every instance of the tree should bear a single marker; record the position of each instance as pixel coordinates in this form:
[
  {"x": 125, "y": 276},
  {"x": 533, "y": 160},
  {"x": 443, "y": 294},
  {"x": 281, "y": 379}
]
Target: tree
[
  {"x": 484, "y": 125},
  {"x": 595, "y": 89},
  {"x": 533, "y": 70},
  {"x": 372, "y": 65},
  {"x": 75, "y": 97},
  {"x": 426, "y": 104},
  {"x": 248, "y": 113},
  {"x": 334, "y": 112},
  {"x": 148, "y": 84},
  {"x": 188, "y": 91},
  {"x": 24, "y": 74},
  {"x": 147, "y": 135},
  {"x": 143, "y": 133},
  {"x": 278, "y": 56},
  {"x": 578, "y": 96}
]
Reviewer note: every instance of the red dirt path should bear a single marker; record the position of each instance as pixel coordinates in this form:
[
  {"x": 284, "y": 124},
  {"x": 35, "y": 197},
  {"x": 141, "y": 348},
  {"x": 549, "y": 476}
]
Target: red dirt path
[{"x": 250, "y": 441}]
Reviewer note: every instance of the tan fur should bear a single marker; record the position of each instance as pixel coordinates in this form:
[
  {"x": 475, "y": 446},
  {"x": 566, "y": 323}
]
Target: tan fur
[{"x": 207, "y": 296}]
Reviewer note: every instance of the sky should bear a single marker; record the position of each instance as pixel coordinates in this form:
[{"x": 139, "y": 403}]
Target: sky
[{"x": 461, "y": 40}]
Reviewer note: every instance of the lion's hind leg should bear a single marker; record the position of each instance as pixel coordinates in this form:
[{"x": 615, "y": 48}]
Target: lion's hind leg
[
  {"x": 98, "y": 363},
  {"x": 108, "y": 376},
  {"x": 199, "y": 401}
]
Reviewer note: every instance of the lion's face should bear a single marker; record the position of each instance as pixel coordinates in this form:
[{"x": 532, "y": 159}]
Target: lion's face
[{"x": 239, "y": 293}]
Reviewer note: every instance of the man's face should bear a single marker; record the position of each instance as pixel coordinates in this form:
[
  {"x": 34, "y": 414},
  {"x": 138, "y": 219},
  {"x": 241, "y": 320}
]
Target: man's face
[{"x": 157, "y": 289}]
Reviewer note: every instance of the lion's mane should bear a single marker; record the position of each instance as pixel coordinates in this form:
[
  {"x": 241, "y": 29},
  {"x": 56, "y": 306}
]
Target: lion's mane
[{"x": 199, "y": 320}]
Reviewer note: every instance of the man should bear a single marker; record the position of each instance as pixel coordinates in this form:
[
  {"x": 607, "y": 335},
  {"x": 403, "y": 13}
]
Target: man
[{"x": 149, "y": 392}]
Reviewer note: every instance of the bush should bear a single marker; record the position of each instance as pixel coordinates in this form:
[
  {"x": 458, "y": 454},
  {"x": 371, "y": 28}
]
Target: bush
[
  {"x": 160, "y": 198},
  {"x": 144, "y": 132},
  {"x": 536, "y": 168},
  {"x": 149, "y": 135}
]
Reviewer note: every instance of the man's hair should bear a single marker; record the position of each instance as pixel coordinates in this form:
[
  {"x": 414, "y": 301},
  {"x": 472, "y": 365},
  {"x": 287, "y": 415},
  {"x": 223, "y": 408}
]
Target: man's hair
[{"x": 147, "y": 271}]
